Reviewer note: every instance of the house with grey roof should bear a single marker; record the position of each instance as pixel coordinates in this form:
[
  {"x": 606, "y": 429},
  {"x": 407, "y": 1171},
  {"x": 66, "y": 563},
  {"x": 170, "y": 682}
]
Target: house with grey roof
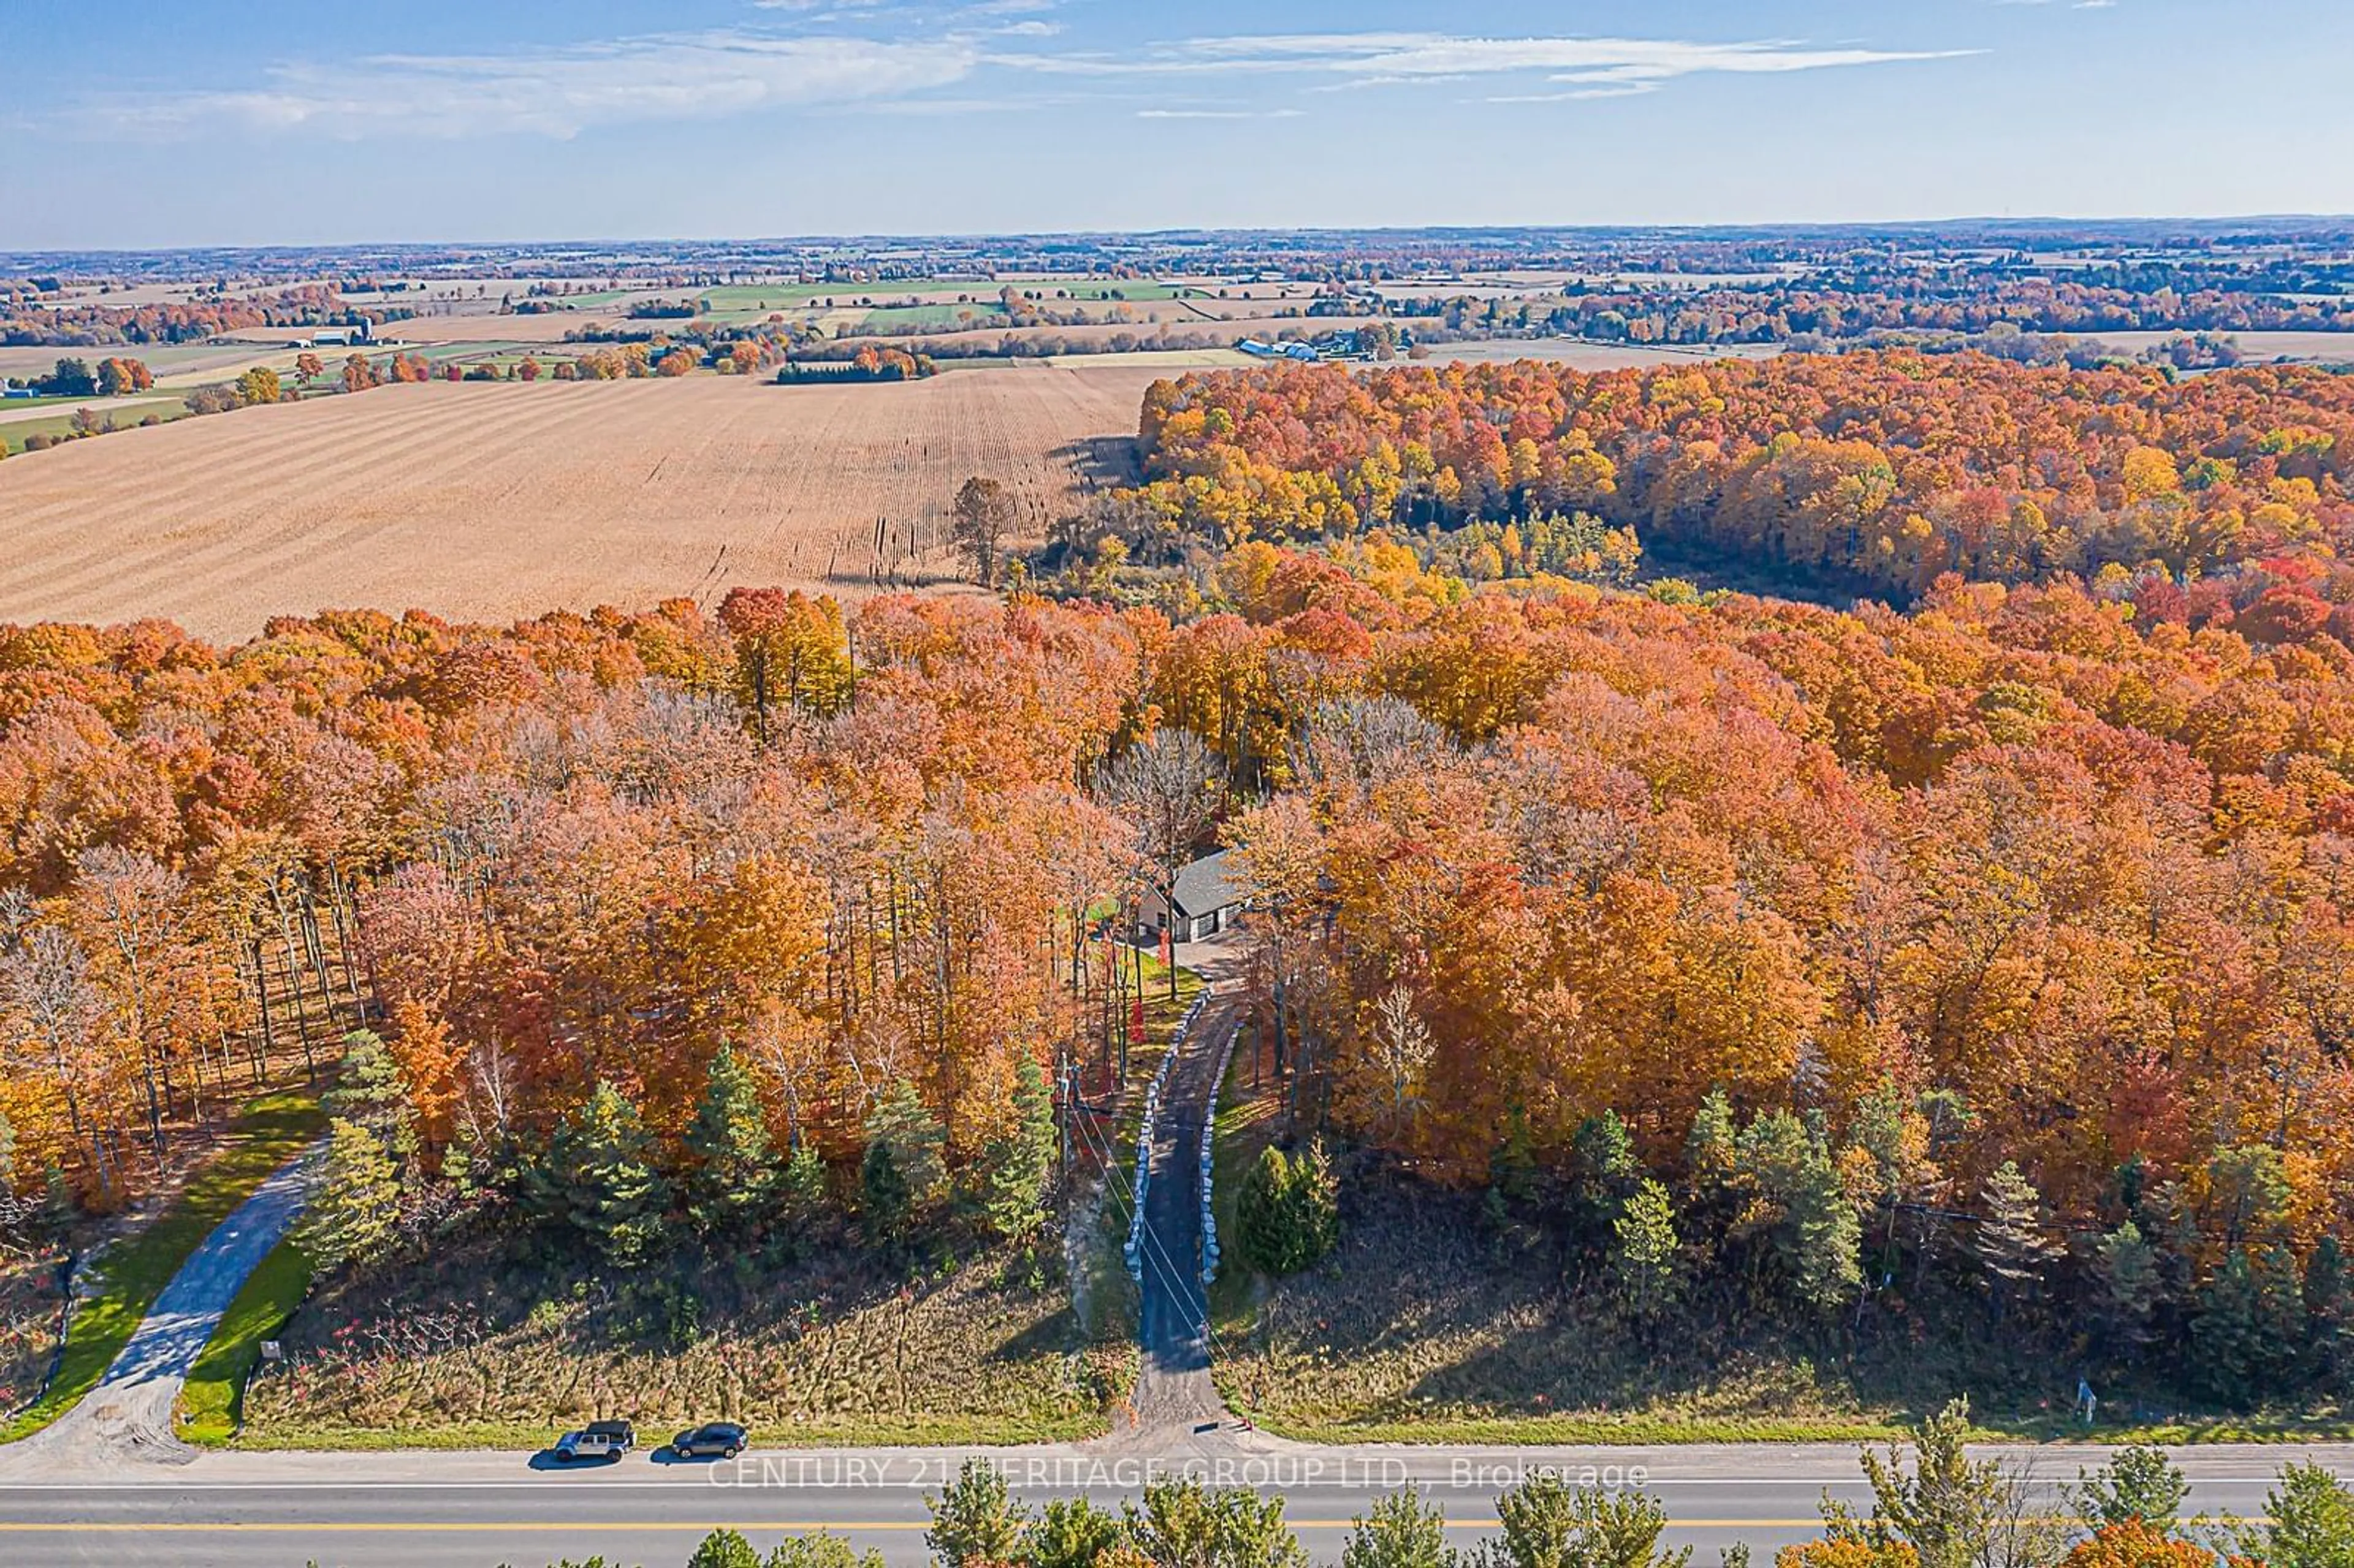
[{"x": 1204, "y": 901}]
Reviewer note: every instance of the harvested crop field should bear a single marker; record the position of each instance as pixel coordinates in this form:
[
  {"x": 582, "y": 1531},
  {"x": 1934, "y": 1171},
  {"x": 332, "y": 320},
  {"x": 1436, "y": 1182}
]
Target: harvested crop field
[{"x": 480, "y": 500}]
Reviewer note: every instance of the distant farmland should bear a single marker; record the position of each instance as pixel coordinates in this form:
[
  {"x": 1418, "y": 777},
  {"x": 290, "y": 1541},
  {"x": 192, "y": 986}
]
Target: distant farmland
[{"x": 492, "y": 501}]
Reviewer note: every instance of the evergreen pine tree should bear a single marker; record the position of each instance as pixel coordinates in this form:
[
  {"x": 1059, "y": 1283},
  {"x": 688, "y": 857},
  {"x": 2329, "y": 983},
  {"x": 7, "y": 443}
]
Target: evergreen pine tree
[
  {"x": 1645, "y": 1259},
  {"x": 1021, "y": 1162},
  {"x": 2140, "y": 1484},
  {"x": 1881, "y": 1133},
  {"x": 1259, "y": 1213},
  {"x": 2125, "y": 1269},
  {"x": 1709, "y": 1148},
  {"x": 1946, "y": 1506},
  {"x": 1604, "y": 1172},
  {"x": 819, "y": 1549},
  {"x": 1072, "y": 1533},
  {"x": 724, "y": 1549},
  {"x": 1825, "y": 1233},
  {"x": 357, "y": 1204},
  {"x": 2010, "y": 1241},
  {"x": 1811, "y": 1225},
  {"x": 975, "y": 1519},
  {"x": 2308, "y": 1522},
  {"x": 1184, "y": 1522},
  {"x": 615, "y": 1198},
  {"x": 1403, "y": 1533},
  {"x": 733, "y": 1183},
  {"x": 462, "y": 1171},
  {"x": 2283, "y": 1328},
  {"x": 886, "y": 1200},
  {"x": 2330, "y": 1314},
  {"x": 1287, "y": 1215},
  {"x": 370, "y": 1091},
  {"x": 543, "y": 1176},
  {"x": 802, "y": 1189},
  {"x": 2249, "y": 1193},
  {"x": 58, "y": 1204},
  {"x": 2248, "y": 1330},
  {"x": 1512, "y": 1165},
  {"x": 2224, "y": 1330},
  {"x": 903, "y": 1174}
]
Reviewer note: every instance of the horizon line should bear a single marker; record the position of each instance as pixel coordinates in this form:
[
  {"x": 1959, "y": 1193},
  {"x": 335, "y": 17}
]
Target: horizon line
[{"x": 1213, "y": 231}]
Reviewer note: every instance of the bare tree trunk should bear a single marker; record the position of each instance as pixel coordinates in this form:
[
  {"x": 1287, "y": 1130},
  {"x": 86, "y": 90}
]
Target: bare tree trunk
[
  {"x": 314, "y": 949},
  {"x": 341, "y": 905},
  {"x": 294, "y": 979},
  {"x": 257, "y": 1054}
]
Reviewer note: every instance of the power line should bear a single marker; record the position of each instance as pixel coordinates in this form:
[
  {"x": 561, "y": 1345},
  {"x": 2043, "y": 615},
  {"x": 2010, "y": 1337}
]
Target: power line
[
  {"x": 1150, "y": 1248},
  {"x": 1174, "y": 1280}
]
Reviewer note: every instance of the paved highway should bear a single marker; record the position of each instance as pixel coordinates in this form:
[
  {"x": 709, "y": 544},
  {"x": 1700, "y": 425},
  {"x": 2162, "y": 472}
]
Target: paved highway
[{"x": 476, "y": 1511}]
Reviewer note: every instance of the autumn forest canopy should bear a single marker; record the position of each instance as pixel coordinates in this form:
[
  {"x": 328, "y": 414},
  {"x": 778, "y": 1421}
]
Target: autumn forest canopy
[
  {"x": 1884, "y": 470},
  {"x": 1814, "y": 968}
]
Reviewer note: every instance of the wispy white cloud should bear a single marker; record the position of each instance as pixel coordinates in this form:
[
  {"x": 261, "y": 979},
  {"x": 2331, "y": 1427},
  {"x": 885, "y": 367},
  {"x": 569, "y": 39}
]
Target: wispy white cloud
[
  {"x": 1220, "y": 113},
  {"x": 1578, "y": 69},
  {"x": 557, "y": 92},
  {"x": 1422, "y": 56},
  {"x": 1360, "y": 83},
  {"x": 1578, "y": 96},
  {"x": 563, "y": 90}
]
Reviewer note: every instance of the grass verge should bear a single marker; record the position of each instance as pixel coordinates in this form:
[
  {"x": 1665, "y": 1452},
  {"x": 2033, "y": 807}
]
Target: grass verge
[
  {"x": 880, "y": 1431},
  {"x": 1667, "y": 1431},
  {"x": 216, "y": 1386},
  {"x": 1597, "y": 1431},
  {"x": 269, "y": 1132},
  {"x": 1248, "y": 1104}
]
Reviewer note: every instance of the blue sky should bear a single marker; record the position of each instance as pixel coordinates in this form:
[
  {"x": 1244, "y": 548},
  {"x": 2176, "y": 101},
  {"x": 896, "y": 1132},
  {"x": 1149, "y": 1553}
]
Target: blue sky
[{"x": 173, "y": 122}]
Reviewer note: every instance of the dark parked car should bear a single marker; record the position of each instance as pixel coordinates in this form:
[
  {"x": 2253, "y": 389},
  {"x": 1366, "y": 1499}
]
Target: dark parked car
[
  {"x": 598, "y": 1440},
  {"x": 724, "y": 1438}
]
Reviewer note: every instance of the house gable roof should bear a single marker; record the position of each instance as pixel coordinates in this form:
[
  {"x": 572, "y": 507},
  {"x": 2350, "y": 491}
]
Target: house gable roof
[{"x": 1204, "y": 887}]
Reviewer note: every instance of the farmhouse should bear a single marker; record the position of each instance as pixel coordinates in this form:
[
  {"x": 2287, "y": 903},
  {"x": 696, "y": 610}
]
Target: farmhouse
[{"x": 1203, "y": 901}]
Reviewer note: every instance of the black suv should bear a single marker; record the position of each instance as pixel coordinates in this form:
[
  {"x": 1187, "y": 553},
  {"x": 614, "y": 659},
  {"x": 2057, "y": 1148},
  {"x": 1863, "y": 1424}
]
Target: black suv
[{"x": 724, "y": 1438}]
